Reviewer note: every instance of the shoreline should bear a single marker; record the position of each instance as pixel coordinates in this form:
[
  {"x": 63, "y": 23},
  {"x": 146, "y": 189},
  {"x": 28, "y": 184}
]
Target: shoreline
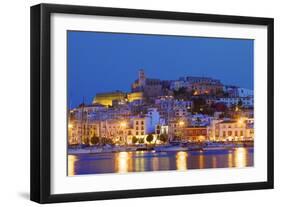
[{"x": 163, "y": 148}]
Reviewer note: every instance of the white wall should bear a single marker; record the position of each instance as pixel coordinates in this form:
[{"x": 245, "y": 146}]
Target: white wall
[{"x": 14, "y": 84}]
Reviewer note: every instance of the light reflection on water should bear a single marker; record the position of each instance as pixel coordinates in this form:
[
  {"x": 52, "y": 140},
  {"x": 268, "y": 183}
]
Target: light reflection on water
[
  {"x": 140, "y": 161},
  {"x": 230, "y": 159},
  {"x": 71, "y": 164},
  {"x": 181, "y": 159},
  {"x": 123, "y": 162},
  {"x": 214, "y": 161},
  {"x": 240, "y": 154},
  {"x": 201, "y": 161}
]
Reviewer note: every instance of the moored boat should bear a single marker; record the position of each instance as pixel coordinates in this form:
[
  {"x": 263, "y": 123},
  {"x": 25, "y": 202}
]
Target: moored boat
[
  {"x": 170, "y": 148},
  {"x": 217, "y": 146}
]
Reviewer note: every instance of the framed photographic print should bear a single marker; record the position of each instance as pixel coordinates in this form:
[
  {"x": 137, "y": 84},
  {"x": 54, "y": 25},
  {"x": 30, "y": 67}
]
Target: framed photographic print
[{"x": 132, "y": 103}]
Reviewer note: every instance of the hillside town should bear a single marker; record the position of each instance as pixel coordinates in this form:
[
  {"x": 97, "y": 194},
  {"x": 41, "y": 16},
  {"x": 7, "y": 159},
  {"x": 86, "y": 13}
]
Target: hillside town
[{"x": 157, "y": 112}]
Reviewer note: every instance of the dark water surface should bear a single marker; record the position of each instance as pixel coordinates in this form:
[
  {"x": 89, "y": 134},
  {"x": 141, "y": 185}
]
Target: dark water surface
[{"x": 140, "y": 161}]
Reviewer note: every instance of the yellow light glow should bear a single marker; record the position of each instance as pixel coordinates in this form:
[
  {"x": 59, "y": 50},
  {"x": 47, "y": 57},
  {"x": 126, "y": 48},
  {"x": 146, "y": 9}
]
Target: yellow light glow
[
  {"x": 181, "y": 123},
  {"x": 123, "y": 124},
  {"x": 70, "y": 126},
  {"x": 241, "y": 120},
  {"x": 181, "y": 160},
  {"x": 201, "y": 161},
  {"x": 123, "y": 162},
  {"x": 71, "y": 164},
  {"x": 201, "y": 138},
  {"x": 155, "y": 163},
  {"x": 240, "y": 157},
  {"x": 230, "y": 159}
]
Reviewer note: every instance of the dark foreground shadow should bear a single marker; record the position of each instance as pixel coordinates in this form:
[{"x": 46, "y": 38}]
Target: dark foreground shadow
[{"x": 24, "y": 195}]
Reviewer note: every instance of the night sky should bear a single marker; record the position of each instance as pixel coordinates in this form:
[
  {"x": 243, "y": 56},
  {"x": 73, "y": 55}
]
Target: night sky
[{"x": 104, "y": 62}]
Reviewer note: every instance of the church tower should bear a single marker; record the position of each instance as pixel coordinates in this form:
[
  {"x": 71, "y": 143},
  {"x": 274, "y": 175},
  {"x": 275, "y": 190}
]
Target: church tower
[{"x": 142, "y": 78}]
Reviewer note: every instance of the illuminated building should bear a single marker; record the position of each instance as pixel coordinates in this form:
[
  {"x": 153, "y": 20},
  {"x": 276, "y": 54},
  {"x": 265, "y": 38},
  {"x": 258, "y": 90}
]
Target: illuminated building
[
  {"x": 161, "y": 129},
  {"x": 247, "y": 102},
  {"x": 168, "y": 107},
  {"x": 139, "y": 84},
  {"x": 175, "y": 127},
  {"x": 198, "y": 85},
  {"x": 244, "y": 92},
  {"x": 149, "y": 87},
  {"x": 177, "y": 84},
  {"x": 194, "y": 134},
  {"x": 199, "y": 120},
  {"x": 134, "y": 96},
  {"x": 84, "y": 111},
  {"x": 116, "y": 130},
  {"x": 107, "y": 98},
  {"x": 180, "y": 112},
  {"x": 80, "y": 132},
  {"x": 116, "y": 98},
  {"x": 234, "y": 91},
  {"x": 153, "y": 107},
  {"x": 206, "y": 88},
  {"x": 231, "y": 130},
  {"x": 143, "y": 125}
]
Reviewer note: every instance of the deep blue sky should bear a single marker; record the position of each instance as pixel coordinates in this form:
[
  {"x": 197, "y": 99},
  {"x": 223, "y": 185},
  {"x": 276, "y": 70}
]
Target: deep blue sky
[{"x": 101, "y": 62}]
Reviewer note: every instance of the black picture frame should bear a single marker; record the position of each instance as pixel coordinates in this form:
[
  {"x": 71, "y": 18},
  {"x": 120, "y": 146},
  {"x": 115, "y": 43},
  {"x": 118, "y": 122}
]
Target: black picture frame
[{"x": 41, "y": 96}]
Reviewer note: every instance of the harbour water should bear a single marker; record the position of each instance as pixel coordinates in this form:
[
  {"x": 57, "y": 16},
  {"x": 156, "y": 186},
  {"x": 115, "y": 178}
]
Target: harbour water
[{"x": 141, "y": 161}]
